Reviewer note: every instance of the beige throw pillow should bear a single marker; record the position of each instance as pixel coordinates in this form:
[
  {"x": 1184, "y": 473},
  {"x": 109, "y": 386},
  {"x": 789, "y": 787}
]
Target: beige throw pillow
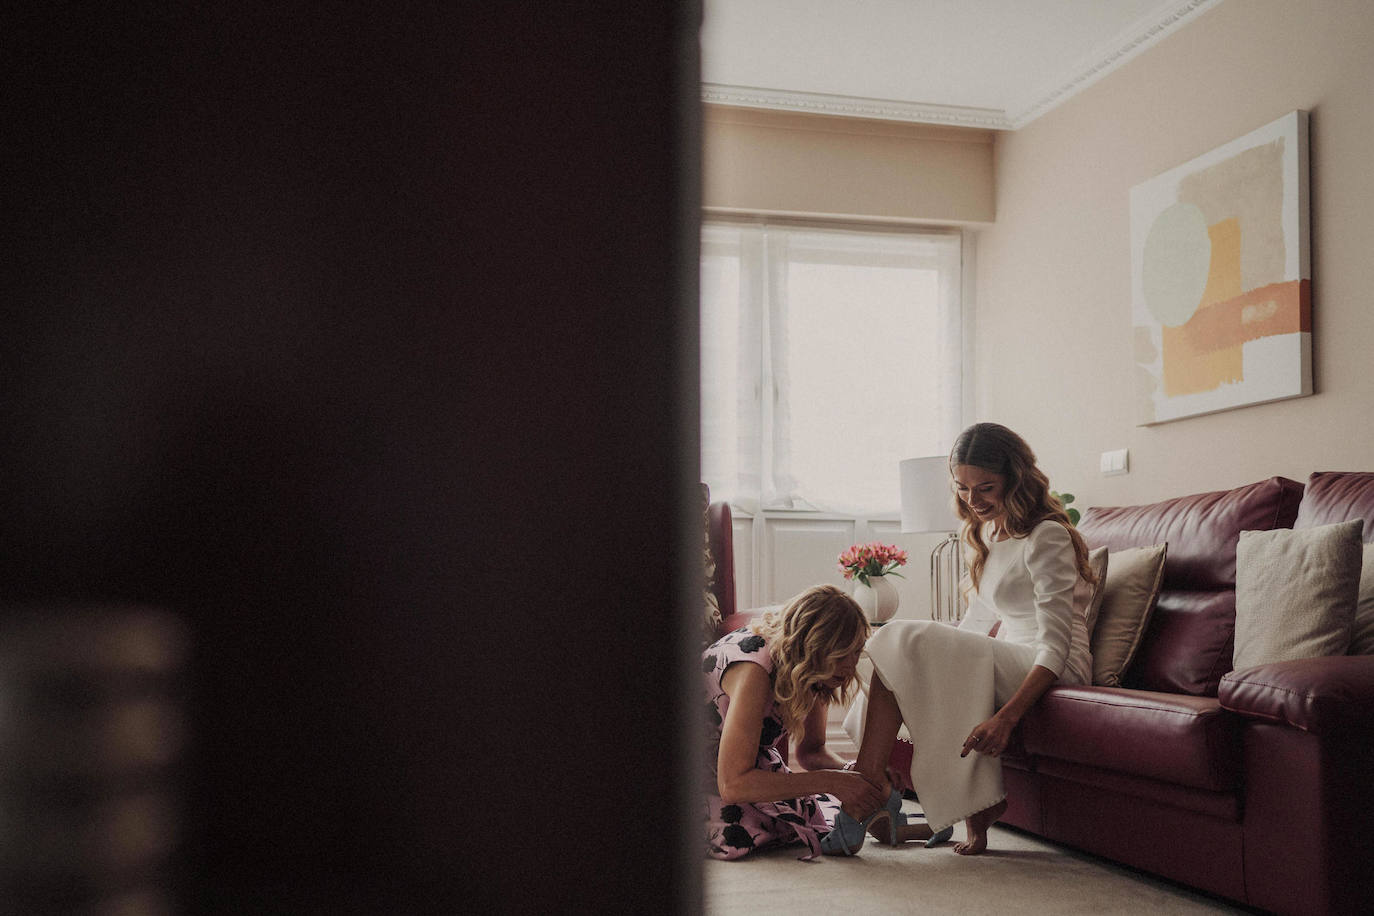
[
  {"x": 1128, "y": 598},
  {"x": 1362, "y": 634},
  {"x": 1097, "y": 559},
  {"x": 1295, "y": 592}
]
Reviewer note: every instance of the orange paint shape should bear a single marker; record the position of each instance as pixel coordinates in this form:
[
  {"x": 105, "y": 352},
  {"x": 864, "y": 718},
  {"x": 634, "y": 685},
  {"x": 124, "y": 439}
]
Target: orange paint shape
[
  {"x": 1201, "y": 370},
  {"x": 1205, "y": 352},
  {"x": 1223, "y": 272}
]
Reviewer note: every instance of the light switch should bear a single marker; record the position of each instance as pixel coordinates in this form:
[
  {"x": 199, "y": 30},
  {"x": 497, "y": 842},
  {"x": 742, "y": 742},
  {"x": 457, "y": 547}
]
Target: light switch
[{"x": 1115, "y": 462}]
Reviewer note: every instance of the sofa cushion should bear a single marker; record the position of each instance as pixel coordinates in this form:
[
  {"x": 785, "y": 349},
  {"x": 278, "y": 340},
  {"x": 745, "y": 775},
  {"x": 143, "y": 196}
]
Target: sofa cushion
[
  {"x": 1362, "y": 631},
  {"x": 1339, "y": 496},
  {"x": 1128, "y": 597},
  {"x": 1185, "y": 740},
  {"x": 1296, "y": 592},
  {"x": 1201, "y": 530},
  {"x": 1097, "y": 560},
  {"x": 1324, "y": 696},
  {"x": 1188, "y": 642},
  {"x": 1180, "y": 652}
]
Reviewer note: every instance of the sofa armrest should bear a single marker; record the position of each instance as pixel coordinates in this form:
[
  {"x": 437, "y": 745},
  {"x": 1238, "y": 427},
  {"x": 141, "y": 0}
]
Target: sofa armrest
[
  {"x": 1323, "y": 696},
  {"x": 720, "y": 533}
]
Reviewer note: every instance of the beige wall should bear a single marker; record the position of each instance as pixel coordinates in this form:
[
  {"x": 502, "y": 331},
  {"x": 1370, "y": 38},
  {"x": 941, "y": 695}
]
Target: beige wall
[
  {"x": 831, "y": 167},
  {"x": 1054, "y": 314}
]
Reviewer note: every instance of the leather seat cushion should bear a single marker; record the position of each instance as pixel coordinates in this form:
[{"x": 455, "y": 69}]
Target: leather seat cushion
[{"x": 1186, "y": 740}]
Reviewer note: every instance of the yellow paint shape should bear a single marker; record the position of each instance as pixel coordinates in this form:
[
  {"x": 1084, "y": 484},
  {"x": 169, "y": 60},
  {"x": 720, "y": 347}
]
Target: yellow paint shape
[
  {"x": 1223, "y": 272},
  {"x": 1203, "y": 371}
]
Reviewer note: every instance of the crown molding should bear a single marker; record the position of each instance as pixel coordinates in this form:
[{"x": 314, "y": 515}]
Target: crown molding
[
  {"x": 1108, "y": 56},
  {"x": 1102, "y": 60},
  {"x": 852, "y": 107}
]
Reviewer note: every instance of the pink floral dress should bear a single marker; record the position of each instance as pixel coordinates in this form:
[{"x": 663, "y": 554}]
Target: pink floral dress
[{"x": 734, "y": 830}]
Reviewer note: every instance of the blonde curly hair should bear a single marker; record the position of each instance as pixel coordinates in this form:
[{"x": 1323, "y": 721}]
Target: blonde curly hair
[{"x": 809, "y": 639}]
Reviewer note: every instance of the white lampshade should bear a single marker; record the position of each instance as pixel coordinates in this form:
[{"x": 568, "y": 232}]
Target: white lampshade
[{"x": 926, "y": 495}]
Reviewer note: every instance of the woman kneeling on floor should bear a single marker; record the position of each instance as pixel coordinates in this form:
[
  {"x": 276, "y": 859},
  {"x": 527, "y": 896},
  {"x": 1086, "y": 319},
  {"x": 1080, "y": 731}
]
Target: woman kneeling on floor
[{"x": 774, "y": 677}]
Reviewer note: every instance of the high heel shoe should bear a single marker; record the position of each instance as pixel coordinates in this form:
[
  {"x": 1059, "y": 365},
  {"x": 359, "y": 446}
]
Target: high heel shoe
[
  {"x": 847, "y": 836},
  {"x": 941, "y": 837},
  {"x": 896, "y": 820}
]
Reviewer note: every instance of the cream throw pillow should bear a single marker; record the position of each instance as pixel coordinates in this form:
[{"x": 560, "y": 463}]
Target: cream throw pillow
[
  {"x": 1362, "y": 634},
  {"x": 1295, "y": 592},
  {"x": 1097, "y": 560},
  {"x": 1128, "y": 598}
]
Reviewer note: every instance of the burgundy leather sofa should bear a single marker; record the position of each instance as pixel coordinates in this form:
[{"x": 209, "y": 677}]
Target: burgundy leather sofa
[
  {"x": 720, "y": 533},
  {"x": 1255, "y": 785}
]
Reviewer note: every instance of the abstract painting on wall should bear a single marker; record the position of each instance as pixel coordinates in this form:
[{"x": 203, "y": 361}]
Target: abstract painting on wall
[{"x": 1221, "y": 277}]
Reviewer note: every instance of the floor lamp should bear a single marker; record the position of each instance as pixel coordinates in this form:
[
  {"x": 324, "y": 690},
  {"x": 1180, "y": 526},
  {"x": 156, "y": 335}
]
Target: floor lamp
[{"x": 928, "y": 506}]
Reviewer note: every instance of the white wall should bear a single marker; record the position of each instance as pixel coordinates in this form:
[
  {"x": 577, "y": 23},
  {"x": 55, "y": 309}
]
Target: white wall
[
  {"x": 1051, "y": 354},
  {"x": 1053, "y": 325}
]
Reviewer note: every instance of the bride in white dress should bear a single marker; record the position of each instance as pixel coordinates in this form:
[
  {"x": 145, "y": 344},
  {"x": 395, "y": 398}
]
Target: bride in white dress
[{"x": 960, "y": 691}]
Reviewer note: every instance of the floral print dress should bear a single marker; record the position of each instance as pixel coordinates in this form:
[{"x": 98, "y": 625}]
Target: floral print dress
[{"x": 736, "y": 829}]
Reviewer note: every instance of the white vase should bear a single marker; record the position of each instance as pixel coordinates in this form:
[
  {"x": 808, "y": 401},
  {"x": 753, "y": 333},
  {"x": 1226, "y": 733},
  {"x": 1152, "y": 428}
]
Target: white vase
[{"x": 878, "y": 598}]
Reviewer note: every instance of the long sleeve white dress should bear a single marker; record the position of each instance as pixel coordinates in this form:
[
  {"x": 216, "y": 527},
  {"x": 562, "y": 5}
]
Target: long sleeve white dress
[{"x": 947, "y": 680}]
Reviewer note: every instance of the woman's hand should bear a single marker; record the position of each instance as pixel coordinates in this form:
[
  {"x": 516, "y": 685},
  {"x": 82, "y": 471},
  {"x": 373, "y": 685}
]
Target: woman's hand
[
  {"x": 993, "y": 736},
  {"x": 990, "y": 737},
  {"x": 856, "y": 793}
]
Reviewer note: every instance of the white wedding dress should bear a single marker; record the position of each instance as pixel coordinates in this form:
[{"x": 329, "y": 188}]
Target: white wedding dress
[{"x": 947, "y": 680}]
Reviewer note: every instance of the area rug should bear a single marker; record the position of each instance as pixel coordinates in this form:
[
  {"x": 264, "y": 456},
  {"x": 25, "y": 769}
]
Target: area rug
[{"x": 1019, "y": 875}]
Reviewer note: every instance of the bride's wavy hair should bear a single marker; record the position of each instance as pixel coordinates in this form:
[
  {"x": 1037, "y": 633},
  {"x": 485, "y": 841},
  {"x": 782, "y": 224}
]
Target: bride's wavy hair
[
  {"x": 809, "y": 638},
  {"x": 1025, "y": 494}
]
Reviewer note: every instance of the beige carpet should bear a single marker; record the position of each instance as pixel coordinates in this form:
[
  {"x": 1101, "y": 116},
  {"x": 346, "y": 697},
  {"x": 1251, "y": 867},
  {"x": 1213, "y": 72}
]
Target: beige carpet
[{"x": 1020, "y": 875}]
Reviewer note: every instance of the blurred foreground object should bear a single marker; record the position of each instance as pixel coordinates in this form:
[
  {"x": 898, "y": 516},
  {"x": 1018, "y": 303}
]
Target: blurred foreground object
[{"x": 92, "y": 727}]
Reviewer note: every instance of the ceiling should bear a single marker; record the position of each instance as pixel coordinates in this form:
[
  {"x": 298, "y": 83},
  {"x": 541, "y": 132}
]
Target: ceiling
[{"x": 982, "y": 63}]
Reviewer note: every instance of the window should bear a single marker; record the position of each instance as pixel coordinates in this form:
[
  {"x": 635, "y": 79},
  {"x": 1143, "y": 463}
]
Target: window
[{"x": 828, "y": 355}]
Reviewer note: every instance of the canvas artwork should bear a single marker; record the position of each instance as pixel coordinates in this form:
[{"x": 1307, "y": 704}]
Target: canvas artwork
[{"x": 1221, "y": 277}]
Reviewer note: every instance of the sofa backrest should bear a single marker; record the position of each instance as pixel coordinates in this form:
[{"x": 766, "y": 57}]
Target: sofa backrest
[
  {"x": 1188, "y": 642},
  {"x": 1338, "y": 496}
]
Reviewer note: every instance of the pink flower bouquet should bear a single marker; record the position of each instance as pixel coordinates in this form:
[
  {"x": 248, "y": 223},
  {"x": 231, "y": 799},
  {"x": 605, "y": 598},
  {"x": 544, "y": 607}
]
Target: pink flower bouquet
[{"x": 863, "y": 560}]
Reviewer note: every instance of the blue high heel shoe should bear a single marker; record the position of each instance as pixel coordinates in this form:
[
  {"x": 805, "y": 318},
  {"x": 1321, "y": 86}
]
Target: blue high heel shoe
[
  {"x": 941, "y": 837},
  {"x": 847, "y": 837}
]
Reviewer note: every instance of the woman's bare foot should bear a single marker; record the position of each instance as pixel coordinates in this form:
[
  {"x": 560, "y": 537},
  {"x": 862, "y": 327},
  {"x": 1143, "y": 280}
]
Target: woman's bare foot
[{"x": 977, "y": 829}]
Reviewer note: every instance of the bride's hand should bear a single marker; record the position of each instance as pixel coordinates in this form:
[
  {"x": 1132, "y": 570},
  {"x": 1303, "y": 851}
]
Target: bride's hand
[{"x": 990, "y": 737}]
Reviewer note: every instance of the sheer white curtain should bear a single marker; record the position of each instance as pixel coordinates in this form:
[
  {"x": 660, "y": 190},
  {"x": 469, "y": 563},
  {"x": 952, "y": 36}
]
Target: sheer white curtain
[{"x": 828, "y": 355}]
